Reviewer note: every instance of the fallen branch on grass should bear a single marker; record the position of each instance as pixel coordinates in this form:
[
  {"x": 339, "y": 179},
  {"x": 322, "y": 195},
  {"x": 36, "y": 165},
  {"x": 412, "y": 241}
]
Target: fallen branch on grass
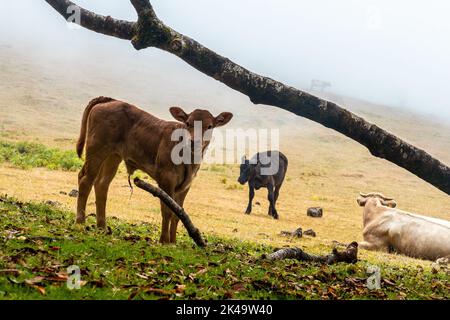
[
  {"x": 349, "y": 255},
  {"x": 193, "y": 232}
]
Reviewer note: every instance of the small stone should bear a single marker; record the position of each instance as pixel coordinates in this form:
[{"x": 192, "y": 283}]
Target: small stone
[
  {"x": 73, "y": 193},
  {"x": 52, "y": 203},
  {"x": 63, "y": 193},
  {"x": 257, "y": 203},
  {"x": 310, "y": 232},
  {"x": 298, "y": 233},
  {"x": 316, "y": 212}
]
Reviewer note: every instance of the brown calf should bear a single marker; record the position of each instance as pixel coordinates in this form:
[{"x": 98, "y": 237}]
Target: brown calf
[{"x": 113, "y": 131}]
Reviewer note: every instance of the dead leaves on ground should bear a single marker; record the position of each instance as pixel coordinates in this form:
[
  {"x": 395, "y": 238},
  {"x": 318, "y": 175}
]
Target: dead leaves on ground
[{"x": 39, "y": 282}]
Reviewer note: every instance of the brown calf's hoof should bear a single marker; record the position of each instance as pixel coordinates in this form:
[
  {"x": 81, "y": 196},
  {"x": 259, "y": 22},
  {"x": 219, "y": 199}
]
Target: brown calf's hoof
[
  {"x": 101, "y": 225},
  {"x": 164, "y": 241},
  {"x": 80, "y": 220}
]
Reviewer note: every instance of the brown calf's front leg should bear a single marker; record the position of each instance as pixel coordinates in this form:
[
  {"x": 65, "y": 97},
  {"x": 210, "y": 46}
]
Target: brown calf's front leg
[
  {"x": 165, "y": 211},
  {"x": 166, "y": 217},
  {"x": 101, "y": 185},
  {"x": 179, "y": 198},
  {"x": 169, "y": 219}
]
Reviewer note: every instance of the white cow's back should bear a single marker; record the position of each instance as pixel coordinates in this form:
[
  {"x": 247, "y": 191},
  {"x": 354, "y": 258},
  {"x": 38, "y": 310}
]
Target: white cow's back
[{"x": 441, "y": 222}]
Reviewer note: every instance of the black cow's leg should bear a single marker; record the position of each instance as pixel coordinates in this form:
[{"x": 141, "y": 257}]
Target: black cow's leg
[
  {"x": 275, "y": 198},
  {"x": 251, "y": 195},
  {"x": 276, "y": 194},
  {"x": 271, "y": 198}
]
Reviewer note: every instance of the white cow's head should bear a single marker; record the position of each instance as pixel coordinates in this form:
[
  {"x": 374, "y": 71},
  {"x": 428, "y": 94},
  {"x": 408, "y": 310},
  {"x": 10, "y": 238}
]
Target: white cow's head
[{"x": 385, "y": 201}]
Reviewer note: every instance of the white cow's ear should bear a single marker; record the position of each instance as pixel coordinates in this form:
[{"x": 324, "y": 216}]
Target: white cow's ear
[
  {"x": 389, "y": 203},
  {"x": 361, "y": 201}
]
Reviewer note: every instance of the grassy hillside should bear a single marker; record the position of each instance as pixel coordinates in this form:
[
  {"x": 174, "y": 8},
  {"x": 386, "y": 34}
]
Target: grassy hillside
[{"x": 39, "y": 243}]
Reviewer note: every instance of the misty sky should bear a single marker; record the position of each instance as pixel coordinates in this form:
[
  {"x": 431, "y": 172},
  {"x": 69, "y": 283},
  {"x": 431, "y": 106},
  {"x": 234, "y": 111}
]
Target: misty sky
[{"x": 391, "y": 52}]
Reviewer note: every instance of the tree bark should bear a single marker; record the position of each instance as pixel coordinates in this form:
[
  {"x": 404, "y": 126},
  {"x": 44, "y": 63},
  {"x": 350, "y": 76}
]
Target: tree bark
[
  {"x": 149, "y": 31},
  {"x": 193, "y": 232},
  {"x": 349, "y": 255}
]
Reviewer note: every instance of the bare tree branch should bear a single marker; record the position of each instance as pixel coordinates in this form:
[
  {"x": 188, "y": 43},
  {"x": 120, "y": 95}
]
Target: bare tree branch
[
  {"x": 95, "y": 22},
  {"x": 149, "y": 31},
  {"x": 143, "y": 7}
]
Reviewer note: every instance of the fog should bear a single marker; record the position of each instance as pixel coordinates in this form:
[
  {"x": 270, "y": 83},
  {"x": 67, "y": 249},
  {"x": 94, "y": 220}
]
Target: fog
[{"x": 390, "y": 52}]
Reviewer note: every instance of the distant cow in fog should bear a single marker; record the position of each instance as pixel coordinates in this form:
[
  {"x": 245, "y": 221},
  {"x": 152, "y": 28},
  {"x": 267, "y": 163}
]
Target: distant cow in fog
[{"x": 265, "y": 169}]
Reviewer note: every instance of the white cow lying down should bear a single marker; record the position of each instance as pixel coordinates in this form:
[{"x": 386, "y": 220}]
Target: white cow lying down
[{"x": 386, "y": 228}]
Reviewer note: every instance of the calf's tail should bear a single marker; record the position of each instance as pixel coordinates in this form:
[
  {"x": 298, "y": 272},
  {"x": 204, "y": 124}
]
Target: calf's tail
[{"x": 84, "y": 121}]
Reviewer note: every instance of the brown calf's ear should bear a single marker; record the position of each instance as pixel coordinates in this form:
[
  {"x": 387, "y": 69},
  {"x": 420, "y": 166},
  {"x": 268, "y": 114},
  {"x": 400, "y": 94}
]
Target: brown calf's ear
[
  {"x": 361, "y": 201},
  {"x": 223, "y": 118},
  {"x": 179, "y": 114}
]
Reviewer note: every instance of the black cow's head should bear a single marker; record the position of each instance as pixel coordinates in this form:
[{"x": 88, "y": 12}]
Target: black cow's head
[{"x": 244, "y": 171}]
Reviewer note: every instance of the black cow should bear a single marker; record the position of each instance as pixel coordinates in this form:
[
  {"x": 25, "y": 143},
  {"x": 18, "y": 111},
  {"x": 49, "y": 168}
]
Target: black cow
[{"x": 265, "y": 169}]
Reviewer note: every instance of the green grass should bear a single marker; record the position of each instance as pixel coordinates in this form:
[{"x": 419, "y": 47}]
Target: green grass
[
  {"x": 39, "y": 243},
  {"x": 27, "y": 155}
]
